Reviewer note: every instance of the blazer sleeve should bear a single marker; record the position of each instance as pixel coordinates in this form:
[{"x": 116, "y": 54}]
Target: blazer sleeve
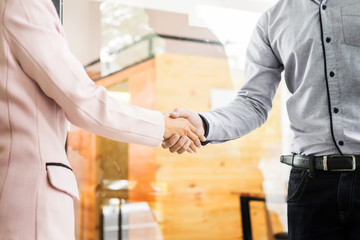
[{"x": 35, "y": 36}]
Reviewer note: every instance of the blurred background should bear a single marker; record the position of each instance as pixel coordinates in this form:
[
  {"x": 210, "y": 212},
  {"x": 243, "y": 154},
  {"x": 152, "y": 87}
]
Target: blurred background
[{"x": 161, "y": 55}]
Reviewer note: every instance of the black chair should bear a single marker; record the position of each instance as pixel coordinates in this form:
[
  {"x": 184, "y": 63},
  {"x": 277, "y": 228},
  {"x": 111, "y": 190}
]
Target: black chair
[{"x": 245, "y": 200}]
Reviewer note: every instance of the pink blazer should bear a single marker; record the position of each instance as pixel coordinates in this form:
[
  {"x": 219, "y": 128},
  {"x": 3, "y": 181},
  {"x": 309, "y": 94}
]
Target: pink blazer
[{"x": 42, "y": 86}]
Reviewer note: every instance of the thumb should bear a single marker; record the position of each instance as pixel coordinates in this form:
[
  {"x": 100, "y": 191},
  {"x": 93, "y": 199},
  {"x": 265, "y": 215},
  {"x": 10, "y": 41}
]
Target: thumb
[{"x": 179, "y": 112}]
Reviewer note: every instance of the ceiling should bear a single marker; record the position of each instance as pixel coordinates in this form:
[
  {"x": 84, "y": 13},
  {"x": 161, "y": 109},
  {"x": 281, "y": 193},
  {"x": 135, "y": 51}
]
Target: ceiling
[{"x": 188, "y": 6}]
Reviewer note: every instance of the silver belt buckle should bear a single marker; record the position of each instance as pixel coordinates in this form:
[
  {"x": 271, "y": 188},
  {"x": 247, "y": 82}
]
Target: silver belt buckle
[{"x": 353, "y": 159}]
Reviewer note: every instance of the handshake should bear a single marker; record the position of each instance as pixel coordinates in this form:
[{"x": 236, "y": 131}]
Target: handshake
[{"x": 184, "y": 131}]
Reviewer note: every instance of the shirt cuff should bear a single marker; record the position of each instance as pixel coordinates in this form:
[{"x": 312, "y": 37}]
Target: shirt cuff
[{"x": 206, "y": 128}]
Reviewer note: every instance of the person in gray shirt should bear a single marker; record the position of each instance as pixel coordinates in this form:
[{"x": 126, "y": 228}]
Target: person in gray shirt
[{"x": 316, "y": 44}]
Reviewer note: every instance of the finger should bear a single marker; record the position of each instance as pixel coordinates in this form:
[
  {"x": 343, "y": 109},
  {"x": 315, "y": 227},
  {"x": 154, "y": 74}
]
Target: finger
[
  {"x": 193, "y": 147},
  {"x": 197, "y": 132},
  {"x": 179, "y": 144},
  {"x": 194, "y": 138},
  {"x": 179, "y": 112},
  {"x": 190, "y": 151},
  {"x": 174, "y": 115},
  {"x": 185, "y": 147},
  {"x": 170, "y": 141}
]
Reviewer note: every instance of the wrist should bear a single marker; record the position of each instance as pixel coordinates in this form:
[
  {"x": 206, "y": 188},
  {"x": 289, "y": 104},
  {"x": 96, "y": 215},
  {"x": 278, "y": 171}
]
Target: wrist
[
  {"x": 205, "y": 125},
  {"x": 166, "y": 126}
]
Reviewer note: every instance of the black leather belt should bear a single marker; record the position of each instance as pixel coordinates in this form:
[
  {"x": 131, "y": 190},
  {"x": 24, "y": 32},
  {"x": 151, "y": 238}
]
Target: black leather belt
[{"x": 326, "y": 163}]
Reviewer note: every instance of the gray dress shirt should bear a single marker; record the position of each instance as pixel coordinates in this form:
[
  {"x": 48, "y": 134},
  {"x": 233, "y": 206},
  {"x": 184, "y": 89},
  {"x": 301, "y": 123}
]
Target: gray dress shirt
[{"x": 317, "y": 45}]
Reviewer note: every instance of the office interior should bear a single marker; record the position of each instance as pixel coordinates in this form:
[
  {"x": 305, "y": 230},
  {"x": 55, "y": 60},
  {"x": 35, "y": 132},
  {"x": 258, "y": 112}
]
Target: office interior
[{"x": 162, "y": 55}]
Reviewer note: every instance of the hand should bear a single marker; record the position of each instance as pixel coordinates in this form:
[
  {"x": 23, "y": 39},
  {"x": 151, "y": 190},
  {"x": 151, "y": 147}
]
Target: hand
[
  {"x": 182, "y": 127},
  {"x": 184, "y": 144},
  {"x": 181, "y": 144}
]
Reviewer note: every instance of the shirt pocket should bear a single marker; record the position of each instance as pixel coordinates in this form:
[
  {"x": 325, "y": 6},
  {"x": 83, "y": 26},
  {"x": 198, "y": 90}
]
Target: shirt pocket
[
  {"x": 351, "y": 24},
  {"x": 62, "y": 178}
]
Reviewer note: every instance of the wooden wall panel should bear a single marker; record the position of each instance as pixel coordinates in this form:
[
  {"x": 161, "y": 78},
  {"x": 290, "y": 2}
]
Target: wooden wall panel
[
  {"x": 142, "y": 164},
  {"x": 81, "y": 154},
  {"x": 196, "y": 196},
  {"x": 199, "y": 203},
  {"x": 94, "y": 158}
]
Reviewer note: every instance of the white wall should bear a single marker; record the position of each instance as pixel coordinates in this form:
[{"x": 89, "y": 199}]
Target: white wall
[
  {"x": 187, "y": 6},
  {"x": 83, "y": 28}
]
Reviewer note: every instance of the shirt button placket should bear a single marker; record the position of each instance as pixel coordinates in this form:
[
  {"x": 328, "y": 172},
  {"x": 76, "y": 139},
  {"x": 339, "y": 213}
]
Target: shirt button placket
[{"x": 330, "y": 63}]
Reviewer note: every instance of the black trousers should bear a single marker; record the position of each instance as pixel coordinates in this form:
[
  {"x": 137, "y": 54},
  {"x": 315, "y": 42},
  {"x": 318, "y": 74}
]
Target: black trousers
[{"x": 324, "y": 207}]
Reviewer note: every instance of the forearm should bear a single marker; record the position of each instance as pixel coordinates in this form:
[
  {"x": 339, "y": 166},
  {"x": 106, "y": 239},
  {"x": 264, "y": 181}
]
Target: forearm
[
  {"x": 35, "y": 37},
  {"x": 234, "y": 120}
]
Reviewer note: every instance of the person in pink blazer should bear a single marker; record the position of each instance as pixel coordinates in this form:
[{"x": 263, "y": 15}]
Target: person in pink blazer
[{"x": 42, "y": 86}]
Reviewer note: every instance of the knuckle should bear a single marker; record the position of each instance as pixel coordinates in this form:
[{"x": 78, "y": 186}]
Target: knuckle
[{"x": 183, "y": 141}]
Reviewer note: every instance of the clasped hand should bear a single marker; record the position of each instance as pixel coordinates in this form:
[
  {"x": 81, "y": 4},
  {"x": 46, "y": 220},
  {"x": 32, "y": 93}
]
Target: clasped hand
[{"x": 184, "y": 131}]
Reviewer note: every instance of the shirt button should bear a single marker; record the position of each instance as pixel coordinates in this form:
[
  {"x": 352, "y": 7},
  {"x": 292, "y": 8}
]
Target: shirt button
[
  {"x": 328, "y": 39},
  {"x": 332, "y": 74},
  {"x": 341, "y": 143},
  {"x": 336, "y": 110},
  {"x": 323, "y": 7}
]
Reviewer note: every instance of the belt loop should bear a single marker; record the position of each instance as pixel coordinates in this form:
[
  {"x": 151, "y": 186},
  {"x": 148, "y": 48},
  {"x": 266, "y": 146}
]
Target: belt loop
[
  {"x": 311, "y": 166},
  {"x": 292, "y": 160}
]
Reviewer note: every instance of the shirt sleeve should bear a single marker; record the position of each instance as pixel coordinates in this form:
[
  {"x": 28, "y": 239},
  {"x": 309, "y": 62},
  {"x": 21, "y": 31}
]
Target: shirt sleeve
[
  {"x": 249, "y": 110},
  {"x": 35, "y": 36}
]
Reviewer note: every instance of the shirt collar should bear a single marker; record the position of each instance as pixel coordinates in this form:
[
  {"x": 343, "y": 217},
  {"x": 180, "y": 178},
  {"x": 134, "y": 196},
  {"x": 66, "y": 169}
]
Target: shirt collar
[{"x": 319, "y": 2}]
